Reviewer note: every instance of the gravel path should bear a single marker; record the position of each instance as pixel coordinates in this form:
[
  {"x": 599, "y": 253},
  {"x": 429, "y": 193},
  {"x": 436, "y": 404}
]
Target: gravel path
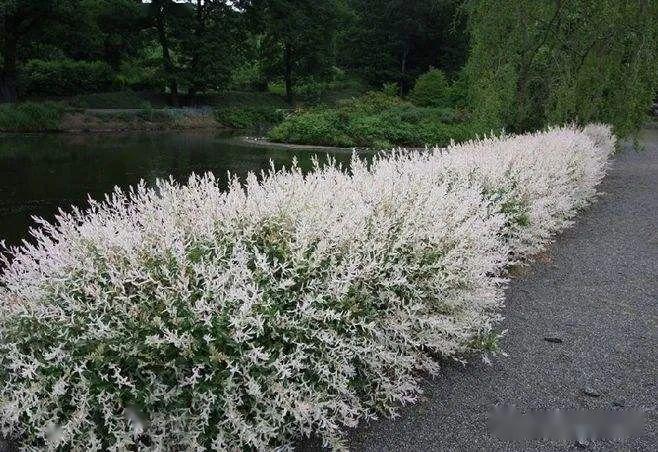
[{"x": 598, "y": 293}]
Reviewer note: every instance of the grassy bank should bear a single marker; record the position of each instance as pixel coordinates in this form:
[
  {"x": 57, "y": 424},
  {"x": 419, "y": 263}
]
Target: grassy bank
[
  {"x": 31, "y": 116},
  {"x": 55, "y": 117},
  {"x": 376, "y": 120},
  {"x": 247, "y": 110},
  {"x": 138, "y": 119},
  {"x": 128, "y": 110},
  {"x": 329, "y": 114}
]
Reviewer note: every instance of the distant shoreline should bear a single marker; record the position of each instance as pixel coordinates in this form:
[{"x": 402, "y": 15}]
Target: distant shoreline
[{"x": 259, "y": 141}]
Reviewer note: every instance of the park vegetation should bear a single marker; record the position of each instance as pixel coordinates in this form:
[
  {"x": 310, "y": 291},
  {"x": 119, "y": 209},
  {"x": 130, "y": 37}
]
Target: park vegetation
[
  {"x": 295, "y": 303},
  {"x": 435, "y": 115},
  {"x": 513, "y": 65},
  {"x": 190, "y": 317}
]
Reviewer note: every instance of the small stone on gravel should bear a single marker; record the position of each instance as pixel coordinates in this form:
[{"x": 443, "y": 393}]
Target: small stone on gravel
[{"x": 589, "y": 391}]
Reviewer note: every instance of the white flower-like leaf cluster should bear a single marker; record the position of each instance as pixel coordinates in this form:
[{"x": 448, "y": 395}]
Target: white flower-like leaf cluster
[{"x": 191, "y": 317}]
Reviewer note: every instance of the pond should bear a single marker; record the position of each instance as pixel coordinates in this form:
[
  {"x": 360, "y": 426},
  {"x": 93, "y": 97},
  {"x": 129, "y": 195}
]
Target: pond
[{"x": 44, "y": 172}]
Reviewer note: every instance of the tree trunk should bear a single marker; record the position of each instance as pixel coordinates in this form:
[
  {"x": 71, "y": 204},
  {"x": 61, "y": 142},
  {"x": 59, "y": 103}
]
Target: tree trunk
[
  {"x": 166, "y": 56},
  {"x": 8, "y": 72},
  {"x": 199, "y": 30},
  {"x": 287, "y": 59},
  {"x": 8, "y": 91},
  {"x": 403, "y": 67}
]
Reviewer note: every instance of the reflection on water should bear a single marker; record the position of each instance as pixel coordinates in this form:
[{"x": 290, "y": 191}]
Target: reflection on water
[{"x": 41, "y": 173}]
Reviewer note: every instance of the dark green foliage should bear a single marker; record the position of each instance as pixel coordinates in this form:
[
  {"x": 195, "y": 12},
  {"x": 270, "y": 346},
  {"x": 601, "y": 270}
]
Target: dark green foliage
[
  {"x": 459, "y": 91},
  {"x": 198, "y": 42},
  {"x": 63, "y": 77},
  {"x": 391, "y": 89},
  {"x": 210, "y": 46},
  {"x": 248, "y": 75},
  {"x": 432, "y": 89},
  {"x": 375, "y": 120},
  {"x": 397, "y": 40},
  {"x": 531, "y": 63},
  {"x": 297, "y": 38},
  {"x": 30, "y": 26},
  {"x": 116, "y": 99},
  {"x": 247, "y": 99},
  {"x": 107, "y": 29},
  {"x": 536, "y": 62},
  {"x": 329, "y": 92},
  {"x": 30, "y": 116},
  {"x": 248, "y": 117}
]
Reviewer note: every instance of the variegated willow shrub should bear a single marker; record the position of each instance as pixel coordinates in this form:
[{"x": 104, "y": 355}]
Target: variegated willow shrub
[{"x": 184, "y": 316}]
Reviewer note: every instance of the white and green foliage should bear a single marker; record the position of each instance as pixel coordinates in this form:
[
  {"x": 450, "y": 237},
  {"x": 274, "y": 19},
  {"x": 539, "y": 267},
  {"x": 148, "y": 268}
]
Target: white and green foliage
[{"x": 184, "y": 316}]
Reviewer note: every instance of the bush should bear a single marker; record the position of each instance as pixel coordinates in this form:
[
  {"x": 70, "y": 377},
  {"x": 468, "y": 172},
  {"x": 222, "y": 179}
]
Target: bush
[
  {"x": 431, "y": 90},
  {"x": 371, "y": 103},
  {"x": 117, "y": 99},
  {"x": 64, "y": 77},
  {"x": 249, "y": 76},
  {"x": 459, "y": 91},
  {"x": 184, "y": 317},
  {"x": 236, "y": 99},
  {"x": 376, "y": 120},
  {"x": 142, "y": 73},
  {"x": 30, "y": 116},
  {"x": 320, "y": 127},
  {"x": 321, "y": 92},
  {"x": 391, "y": 89},
  {"x": 248, "y": 117}
]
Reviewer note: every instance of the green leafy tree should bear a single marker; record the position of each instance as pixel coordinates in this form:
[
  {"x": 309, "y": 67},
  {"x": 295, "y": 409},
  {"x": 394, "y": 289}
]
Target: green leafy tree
[
  {"x": 536, "y": 62},
  {"x": 397, "y": 40},
  {"x": 431, "y": 90},
  {"x": 299, "y": 36},
  {"x": 211, "y": 50},
  {"x": 22, "y": 22},
  {"x": 166, "y": 17},
  {"x": 117, "y": 26},
  {"x": 93, "y": 30},
  {"x": 199, "y": 41}
]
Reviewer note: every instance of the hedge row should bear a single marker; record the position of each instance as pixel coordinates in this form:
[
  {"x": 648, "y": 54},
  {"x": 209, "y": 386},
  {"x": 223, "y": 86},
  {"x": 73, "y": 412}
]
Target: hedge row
[
  {"x": 64, "y": 77},
  {"x": 186, "y": 317}
]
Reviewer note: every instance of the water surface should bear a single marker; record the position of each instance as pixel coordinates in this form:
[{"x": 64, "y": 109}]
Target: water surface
[{"x": 42, "y": 172}]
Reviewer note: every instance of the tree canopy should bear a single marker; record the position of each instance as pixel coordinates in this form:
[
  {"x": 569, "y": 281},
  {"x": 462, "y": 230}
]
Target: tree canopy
[
  {"x": 513, "y": 64},
  {"x": 536, "y": 62}
]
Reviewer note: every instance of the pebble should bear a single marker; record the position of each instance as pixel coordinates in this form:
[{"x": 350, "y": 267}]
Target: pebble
[
  {"x": 554, "y": 338},
  {"x": 589, "y": 391}
]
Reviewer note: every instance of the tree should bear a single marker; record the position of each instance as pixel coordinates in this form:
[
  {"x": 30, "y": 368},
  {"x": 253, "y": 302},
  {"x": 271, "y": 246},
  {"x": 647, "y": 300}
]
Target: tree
[
  {"x": 116, "y": 24},
  {"x": 21, "y": 21},
  {"x": 397, "y": 40},
  {"x": 299, "y": 35},
  {"x": 53, "y": 29},
  {"x": 163, "y": 14},
  {"x": 199, "y": 41},
  {"x": 210, "y": 51},
  {"x": 537, "y": 62}
]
